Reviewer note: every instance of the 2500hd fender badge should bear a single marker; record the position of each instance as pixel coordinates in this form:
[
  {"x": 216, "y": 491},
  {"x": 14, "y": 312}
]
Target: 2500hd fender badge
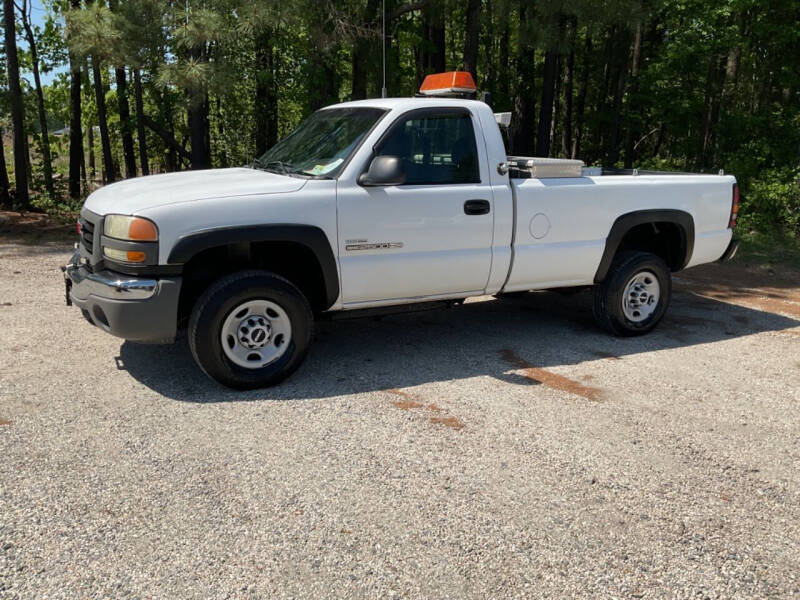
[{"x": 351, "y": 245}]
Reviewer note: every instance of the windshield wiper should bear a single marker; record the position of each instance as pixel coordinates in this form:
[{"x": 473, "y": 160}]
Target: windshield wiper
[
  {"x": 270, "y": 165},
  {"x": 284, "y": 168}
]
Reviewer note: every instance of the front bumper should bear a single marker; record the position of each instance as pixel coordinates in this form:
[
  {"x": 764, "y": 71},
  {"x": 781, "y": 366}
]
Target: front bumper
[{"x": 135, "y": 308}]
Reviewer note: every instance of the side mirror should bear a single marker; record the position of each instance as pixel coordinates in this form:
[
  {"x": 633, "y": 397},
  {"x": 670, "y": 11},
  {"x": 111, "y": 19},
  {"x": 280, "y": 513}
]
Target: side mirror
[{"x": 384, "y": 170}]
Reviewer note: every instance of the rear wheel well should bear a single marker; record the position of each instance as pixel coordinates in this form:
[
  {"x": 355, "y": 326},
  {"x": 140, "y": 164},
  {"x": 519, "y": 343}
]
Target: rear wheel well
[
  {"x": 664, "y": 239},
  {"x": 292, "y": 260}
]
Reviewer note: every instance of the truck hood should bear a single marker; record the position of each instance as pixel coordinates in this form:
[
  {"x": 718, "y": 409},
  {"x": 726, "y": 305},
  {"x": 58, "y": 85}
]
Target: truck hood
[{"x": 135, "y": 195}]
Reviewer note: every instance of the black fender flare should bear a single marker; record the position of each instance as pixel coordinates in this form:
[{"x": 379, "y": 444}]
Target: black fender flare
[
  {"x": 628, "y": 221},
  {"x": 309, "y": 236}
]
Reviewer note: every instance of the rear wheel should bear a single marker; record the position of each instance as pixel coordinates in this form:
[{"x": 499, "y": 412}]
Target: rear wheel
[
  {"x": 635, "y": 294},
  {"x": 250, "y": 329}
]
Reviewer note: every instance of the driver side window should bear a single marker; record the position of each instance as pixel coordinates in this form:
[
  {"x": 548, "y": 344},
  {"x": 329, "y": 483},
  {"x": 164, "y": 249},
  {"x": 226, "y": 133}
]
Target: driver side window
[{"x": 437, "y": 148}]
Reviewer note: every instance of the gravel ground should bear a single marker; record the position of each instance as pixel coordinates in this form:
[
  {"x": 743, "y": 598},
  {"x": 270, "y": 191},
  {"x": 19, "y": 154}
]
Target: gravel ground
[{"x": 505, "y": 449}]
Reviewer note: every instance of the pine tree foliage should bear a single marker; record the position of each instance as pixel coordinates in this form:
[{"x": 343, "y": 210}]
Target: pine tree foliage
[{"x": 668, "y": 84}]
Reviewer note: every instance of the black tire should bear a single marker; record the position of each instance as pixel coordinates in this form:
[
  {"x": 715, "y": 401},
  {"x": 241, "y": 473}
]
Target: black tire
[
  {"x": 608, "y": 295},
  {"x": 217, "y": 302}
]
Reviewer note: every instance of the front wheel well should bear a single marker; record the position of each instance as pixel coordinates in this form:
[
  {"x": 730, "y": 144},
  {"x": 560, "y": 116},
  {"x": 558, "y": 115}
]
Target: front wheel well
[{"x": 293, "y": 261}]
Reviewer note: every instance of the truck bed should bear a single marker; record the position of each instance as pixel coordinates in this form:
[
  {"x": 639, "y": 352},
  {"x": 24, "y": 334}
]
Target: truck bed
[{"x": 561, "y": 223}]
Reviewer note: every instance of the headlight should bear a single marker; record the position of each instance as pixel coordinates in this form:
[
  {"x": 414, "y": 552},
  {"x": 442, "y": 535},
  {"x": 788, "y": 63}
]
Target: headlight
[{"x": 136, "y": 229}]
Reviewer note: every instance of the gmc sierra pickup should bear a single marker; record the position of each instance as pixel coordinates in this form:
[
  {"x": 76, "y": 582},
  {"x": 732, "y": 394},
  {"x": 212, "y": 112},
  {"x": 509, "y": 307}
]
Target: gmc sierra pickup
[{"x": 381, "y": 203}]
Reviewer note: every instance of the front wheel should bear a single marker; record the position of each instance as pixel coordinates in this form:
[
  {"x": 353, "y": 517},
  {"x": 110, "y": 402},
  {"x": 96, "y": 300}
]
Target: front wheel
[
  {"x": 250, "y": 329},
  {"x": 635, "y": 294}
]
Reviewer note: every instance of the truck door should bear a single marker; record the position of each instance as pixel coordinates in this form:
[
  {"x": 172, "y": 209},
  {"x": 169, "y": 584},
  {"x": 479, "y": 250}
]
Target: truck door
[{"x": 431, "y": 236}]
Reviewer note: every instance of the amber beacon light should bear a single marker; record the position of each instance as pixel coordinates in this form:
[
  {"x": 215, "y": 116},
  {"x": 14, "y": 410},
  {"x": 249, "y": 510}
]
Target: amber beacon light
[{"x": 453, "y": 83}]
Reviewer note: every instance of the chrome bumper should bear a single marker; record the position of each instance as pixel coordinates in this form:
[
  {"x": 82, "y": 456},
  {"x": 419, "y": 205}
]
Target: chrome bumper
[
  {"x": 138, "y": 309},
  {"x": 106, "y": 284}
]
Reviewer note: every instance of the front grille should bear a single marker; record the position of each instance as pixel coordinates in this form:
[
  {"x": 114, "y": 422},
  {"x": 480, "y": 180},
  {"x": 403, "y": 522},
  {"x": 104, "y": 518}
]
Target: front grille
[{"x": 87, "y": 236}]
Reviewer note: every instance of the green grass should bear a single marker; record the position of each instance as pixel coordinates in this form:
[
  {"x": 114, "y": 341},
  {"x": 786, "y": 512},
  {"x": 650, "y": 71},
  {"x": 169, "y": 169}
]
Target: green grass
[{"x": 771, "y": 247}]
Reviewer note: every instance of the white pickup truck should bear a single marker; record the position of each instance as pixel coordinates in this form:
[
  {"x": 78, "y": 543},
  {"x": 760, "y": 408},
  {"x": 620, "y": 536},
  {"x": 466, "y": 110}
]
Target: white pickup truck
[{"x": 374, "y": 204}]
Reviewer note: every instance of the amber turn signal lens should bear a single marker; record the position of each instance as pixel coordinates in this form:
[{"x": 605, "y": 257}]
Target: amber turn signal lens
[
  {"x": 136, "y": 257},
  {"x": 131, "y": 256}
]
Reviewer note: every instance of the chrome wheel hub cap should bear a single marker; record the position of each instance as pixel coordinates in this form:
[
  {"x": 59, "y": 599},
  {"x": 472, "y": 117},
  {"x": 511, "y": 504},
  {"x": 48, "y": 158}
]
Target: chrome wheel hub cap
[
  {"x": 256, "y": 333},
  {"x": 641, "y": 296}
]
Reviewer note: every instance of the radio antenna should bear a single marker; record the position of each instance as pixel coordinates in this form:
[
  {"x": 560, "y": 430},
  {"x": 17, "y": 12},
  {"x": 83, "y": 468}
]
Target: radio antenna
[{"x": 383, "y": 46}]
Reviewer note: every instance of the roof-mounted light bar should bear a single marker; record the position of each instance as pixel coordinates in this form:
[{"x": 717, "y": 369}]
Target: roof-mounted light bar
[{"x": 458, "y": 84}]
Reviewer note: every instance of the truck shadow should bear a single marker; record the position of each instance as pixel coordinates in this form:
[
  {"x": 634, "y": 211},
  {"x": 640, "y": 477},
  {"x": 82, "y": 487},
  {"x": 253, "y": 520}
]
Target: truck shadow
[{"x": 482, "y": 338}]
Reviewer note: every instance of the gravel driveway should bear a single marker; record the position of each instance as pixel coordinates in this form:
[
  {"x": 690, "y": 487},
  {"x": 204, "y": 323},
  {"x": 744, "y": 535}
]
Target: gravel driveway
[{"x": 506, "y": 449}]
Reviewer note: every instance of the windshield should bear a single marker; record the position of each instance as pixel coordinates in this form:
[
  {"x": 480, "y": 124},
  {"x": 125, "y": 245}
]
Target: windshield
[{"x": 321, "y": 145}]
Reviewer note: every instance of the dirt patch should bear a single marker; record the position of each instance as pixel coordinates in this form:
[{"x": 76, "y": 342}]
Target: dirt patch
[
  {"x": 30, "y": 227},
  {"x": 451, "y": 422},
  {"x": 407, "y": 404},
  {"x": 756, "y": 298},
  {"x": 551, "y": 380},
  {"x": 410, "y": 402},
  {"x": 749, "y": 285}
]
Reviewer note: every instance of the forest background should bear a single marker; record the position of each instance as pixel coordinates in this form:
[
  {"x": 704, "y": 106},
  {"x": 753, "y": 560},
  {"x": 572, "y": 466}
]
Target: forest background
[{"x": 94, "y": 91}]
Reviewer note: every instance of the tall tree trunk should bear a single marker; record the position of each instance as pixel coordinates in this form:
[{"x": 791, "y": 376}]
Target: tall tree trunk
[
  {"x": 125, "y": 122},
  {"x": 632, "y": 130},
  {"x": 17, "y": 111},
  {"x": 102, "y": 121},
  {"x": 580, "y": 109},
  {"x": 140, "y": 131},
  {"x": 266, "y": 102},
  {"x": 566, "y": 132},
  {"x": 88, "y": 92},
  {"x": 546, "y": 106},
  {"x": 504, "y": 70},
  {"x": 471, "y": 37},
  {"x": 523, "y": 117},
  {"x": 619, "y": 72},
  {"x": 172, "y": 156},
  {"x": 659, "y": 139},
  {"x": 556, "y": 105},
  {"x": 197, "y": 135},
  {"x": 362, "y": 49},
  {"x": 28, "y": 161},
  {"x": 433, "y": 57},
  {"x": 75, "y": 132},
  {"x": 197, "y": 117},
  {"x": 322, "y": 80},
  {"x": 90, "y": 151},
  {"x": 222, "y": 155},
  {"x": 732, "y": 72},
  {"x": 5, "y": 186},
  {"x": 600, "y": 131},
  {"x": 712, "y": 105},
  {"x": 487, "y": 39},
  {"x": 47, "y": 163}
]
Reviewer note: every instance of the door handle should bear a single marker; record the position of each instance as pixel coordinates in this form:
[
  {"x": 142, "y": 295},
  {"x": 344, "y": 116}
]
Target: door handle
[{"x": 477, "y": 207}]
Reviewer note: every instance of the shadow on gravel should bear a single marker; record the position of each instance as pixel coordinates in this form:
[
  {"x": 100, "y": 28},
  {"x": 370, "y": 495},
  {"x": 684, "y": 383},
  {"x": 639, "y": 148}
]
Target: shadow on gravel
[{"x": 538, "y": 330}]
